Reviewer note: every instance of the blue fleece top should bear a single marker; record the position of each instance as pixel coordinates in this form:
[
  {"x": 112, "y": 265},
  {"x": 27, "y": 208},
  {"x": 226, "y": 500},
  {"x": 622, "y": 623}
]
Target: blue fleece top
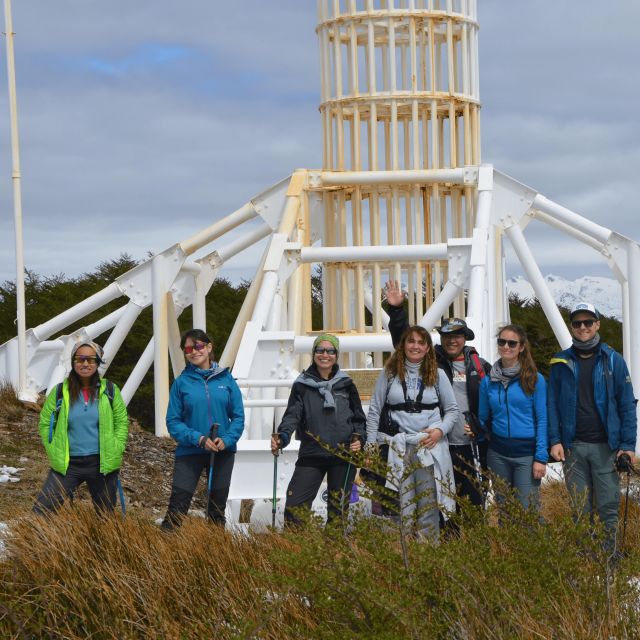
[
  {"x": 517, "y": 421},
  {"x": 82, "y": 429},
  {"x": 198, "y": 398}
]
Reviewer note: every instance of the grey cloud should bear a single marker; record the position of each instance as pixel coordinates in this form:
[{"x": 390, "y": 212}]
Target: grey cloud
[{"x": 147, "y": 148}]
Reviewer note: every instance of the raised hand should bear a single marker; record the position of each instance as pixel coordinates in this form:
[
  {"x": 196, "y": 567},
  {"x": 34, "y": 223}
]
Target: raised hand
[{"x": 393, "y": 293}]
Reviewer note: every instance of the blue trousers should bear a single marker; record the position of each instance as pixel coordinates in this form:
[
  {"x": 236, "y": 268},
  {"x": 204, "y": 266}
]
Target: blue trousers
[{"x": 518, "y": 474}]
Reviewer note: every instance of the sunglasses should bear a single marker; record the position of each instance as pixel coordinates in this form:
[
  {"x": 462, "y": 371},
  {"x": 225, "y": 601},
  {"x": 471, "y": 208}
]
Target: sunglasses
[
  {"x": 87, "y": 359},
  {"x": 512, "y": 344},
  {"x": 329, "y": 352},
  {"x": 197, "y": 346},
  {"x": 576, "y": 324}
]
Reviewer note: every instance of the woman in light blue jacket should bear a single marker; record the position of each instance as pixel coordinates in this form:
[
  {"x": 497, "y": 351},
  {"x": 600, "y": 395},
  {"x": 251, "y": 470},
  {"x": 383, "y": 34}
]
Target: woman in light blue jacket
[
  {"x": 202, "y": 395},
  {"x": 513, "y": 409}
]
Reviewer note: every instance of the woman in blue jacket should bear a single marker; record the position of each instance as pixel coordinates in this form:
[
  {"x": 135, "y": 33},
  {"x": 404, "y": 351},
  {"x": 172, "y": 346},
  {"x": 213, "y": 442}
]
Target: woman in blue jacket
[
  {"x": 513, "y": 408},
  {"x": 203, "y": 394}
]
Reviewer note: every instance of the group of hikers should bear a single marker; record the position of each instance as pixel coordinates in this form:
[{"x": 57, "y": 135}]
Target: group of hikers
[{"x": 441, "y": 419}]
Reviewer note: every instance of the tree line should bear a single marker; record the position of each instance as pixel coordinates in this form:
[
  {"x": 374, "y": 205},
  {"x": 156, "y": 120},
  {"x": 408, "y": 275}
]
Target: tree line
[{"x": 47, "y": 296}]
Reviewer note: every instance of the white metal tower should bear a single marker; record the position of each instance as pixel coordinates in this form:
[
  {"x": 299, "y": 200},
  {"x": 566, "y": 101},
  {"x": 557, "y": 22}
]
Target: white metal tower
[{"x": 402, "y": 194}]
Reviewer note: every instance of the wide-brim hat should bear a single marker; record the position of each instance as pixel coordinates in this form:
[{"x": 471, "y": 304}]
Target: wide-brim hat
[{"x": 456, "y": 325}]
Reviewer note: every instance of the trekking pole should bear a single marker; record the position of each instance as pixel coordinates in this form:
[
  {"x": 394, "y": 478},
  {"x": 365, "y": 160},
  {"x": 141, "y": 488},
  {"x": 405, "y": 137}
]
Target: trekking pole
[
  {"x": 355, "y": 437},
  {"x": 275, "y": 480},
  {"x": 623, "y": 465},
  {"x": 626, "y": 506},
  {"x": 213, "y": 434},
  {"x": 473, "y": 423},
  {"x": 478, "y": 468}
]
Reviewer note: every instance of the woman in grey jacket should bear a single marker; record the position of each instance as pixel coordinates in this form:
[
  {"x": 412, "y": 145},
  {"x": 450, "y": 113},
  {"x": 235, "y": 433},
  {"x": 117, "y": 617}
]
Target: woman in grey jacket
[
  {"x": 422, "y": 406},
  {"x": 325, "y": 412}
]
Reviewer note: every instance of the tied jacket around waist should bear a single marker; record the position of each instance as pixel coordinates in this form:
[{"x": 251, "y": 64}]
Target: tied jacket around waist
[{"x": 314, "y": 423}]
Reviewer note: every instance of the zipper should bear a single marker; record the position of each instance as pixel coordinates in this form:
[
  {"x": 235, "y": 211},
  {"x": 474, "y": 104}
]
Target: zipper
[
  {"x": 506, "y": 401},
  {"x": 206, "y": 392}
]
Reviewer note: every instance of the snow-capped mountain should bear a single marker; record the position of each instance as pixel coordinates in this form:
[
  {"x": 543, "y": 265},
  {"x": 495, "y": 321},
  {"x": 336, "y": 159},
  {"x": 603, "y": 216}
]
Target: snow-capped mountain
[{"x": 605, "y": 293}]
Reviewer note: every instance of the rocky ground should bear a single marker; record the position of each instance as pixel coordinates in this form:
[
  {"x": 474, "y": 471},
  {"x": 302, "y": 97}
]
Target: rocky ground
[{"x": 145, "y": 475}]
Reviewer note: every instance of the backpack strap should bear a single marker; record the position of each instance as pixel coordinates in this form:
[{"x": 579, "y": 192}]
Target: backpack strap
[
  {"x": 110, "y": 391},
  {"x": 478, "y": 365},
  {"x": 436, "y": 387},
  {"x": 53, "y": 420},
  {"x": 416, "y": 406}
]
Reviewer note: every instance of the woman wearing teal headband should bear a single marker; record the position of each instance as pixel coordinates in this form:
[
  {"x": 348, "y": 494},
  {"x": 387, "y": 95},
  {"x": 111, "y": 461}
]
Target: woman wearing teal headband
[{"x": 325, "y": 412}]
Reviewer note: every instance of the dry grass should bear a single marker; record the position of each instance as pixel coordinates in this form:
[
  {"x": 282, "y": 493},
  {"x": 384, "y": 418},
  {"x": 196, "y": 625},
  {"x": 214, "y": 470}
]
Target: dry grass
[
  {"x": 77, "y": 575},
  {"x": 10, "y": 407}
]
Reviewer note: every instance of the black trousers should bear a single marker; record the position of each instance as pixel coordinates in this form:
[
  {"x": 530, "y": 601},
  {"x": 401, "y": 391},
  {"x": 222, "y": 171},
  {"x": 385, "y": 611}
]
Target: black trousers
[
  {"x": 186, "y": 473},
  {"x": 464, "y": 471},
  {"x": 306, "y": 480},
  {"x": 57, "y": 487}
]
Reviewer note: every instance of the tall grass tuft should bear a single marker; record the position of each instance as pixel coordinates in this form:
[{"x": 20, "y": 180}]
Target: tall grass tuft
[
  {"x": 10, "y": 406},
  {"x": 78, "y": 575}
]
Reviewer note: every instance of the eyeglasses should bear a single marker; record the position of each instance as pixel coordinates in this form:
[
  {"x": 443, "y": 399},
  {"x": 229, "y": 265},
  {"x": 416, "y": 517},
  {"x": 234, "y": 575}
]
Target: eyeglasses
[
  {"x": 87, "y": 359},
  {"x": 329, "y": 352},
  {"x": 511, "y": 343},
  {"x": 576, "y": 324},
  {"x": 198, "y": 346}
]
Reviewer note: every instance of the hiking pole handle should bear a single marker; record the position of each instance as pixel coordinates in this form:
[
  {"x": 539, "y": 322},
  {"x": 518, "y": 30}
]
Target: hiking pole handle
[
  {"x": 356, "y": 437},
  {"x": 278, "y": 440}
]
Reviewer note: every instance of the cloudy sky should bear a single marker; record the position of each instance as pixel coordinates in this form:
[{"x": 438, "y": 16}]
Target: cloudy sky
[{"x": 143, "y": 122}]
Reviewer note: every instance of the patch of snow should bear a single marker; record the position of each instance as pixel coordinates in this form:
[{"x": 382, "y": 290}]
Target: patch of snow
[
  {"x": 9, "y": 474},
  {"x": 605, "y": 293}
]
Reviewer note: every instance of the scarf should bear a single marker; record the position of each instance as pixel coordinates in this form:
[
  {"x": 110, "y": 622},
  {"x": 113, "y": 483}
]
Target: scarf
[
  {"x": 412, "y": 370},
  {"x": 324, "y": 387},
  {"x": 504, "y": 375},
  {"x": 588, "y": 346}
]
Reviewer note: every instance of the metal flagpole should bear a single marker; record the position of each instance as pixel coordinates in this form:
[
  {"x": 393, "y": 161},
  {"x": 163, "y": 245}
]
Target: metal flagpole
[{"x": 17, "y": 209}]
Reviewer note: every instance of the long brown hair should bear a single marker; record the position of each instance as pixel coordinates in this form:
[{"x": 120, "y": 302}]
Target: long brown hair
[
  {"x": 428, "y": 367},
  {"x": 528, "y": 369}
]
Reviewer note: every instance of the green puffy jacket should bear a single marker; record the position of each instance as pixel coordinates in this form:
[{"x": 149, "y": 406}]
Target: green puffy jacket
[{"x": 113, "y": 429}]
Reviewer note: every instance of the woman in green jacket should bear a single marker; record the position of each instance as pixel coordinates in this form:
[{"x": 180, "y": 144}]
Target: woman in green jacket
[{"x": 84, "y": 428}]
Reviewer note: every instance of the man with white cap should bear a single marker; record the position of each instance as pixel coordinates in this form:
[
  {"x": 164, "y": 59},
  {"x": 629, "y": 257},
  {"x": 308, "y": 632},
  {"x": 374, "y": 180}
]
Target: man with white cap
[{"x": 592, "y": 418}]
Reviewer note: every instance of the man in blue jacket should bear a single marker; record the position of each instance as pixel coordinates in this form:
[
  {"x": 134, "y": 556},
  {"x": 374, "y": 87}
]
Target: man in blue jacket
[{"x": 592, "y": 418}]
